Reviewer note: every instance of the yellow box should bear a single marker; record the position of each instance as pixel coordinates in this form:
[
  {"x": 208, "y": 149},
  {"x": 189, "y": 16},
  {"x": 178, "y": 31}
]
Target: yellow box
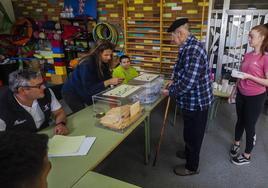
[
  {"x": 166, "y": 49},
  {"x": 139, "y": 47},
  {"x": 187, "y": 1},
  {"x": 167, "y": 15},
  {"x": 109, "y": 6},
  {"x": 138, "y": 1},
  {"x": 103, "y": 18},
  {"x": 205, "y": 4},
  {"x": 192, "y": 11},
  {"x": 131, "y": 8},
  {"x": 148, "y": 64},
  {"x": 48, "y": 74},
  {"x": 148, "y": 41},
  {"x": 114, "y": 15},
  {"x": 57, "y": 55},
  {"x": 139, "y": 15},
  {"x": 147, "y": 8},
  {"x": 60, "y": 70}
]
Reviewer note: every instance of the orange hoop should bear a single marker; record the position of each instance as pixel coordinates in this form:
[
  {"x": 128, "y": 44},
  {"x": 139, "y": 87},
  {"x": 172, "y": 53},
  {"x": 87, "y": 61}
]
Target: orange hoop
[{"x": 16, "y": 30}]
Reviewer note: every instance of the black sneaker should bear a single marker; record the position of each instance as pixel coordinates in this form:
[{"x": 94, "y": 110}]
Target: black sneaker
[
  {"x": 234, "y": 150},
  {"x": 241, "y": 160}
]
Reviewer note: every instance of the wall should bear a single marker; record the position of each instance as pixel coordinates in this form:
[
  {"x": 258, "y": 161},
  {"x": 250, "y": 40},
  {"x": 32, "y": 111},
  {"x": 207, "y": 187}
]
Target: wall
[{"x": 38, "y": 9}]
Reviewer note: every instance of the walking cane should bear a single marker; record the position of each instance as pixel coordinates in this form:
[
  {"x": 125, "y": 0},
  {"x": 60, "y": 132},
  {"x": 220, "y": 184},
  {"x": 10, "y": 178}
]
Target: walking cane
[{"x": 161, "y": 133}]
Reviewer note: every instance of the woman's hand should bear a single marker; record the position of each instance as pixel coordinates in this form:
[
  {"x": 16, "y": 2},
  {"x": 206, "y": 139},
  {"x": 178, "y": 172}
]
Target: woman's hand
[
  {"x": 247, "y": 76},
  {"x": 113, "y": 81}
]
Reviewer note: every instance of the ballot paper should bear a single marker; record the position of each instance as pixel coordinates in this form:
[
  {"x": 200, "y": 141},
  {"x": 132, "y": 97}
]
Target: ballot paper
[
  {"x": 237, "y": 74},
  {"x": 60, "y": 146}
]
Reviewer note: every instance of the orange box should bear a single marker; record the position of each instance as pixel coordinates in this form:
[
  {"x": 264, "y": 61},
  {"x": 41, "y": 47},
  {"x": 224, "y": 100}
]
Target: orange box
[{"x": 58, "y": 79}]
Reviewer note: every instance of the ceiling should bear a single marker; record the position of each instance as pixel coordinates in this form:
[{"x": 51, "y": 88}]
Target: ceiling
[{"x": 242, "y": 4}]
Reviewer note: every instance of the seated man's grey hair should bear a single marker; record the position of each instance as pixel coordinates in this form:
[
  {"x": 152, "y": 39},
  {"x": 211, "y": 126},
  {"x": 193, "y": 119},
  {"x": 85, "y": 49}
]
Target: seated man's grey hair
[{"x": 21, "y": 78}]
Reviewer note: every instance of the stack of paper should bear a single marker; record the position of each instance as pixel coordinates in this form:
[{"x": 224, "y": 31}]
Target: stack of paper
[
  {"x": 59, "y": 146},
  {"x": 237, "y": 74}
]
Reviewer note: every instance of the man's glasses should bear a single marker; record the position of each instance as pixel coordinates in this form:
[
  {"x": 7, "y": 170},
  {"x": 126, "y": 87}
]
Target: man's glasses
[{"x": 37, "y": 86}]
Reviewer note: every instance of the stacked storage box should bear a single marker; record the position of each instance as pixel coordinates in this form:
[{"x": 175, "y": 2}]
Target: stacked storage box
[{"x": 59, "y": 63}]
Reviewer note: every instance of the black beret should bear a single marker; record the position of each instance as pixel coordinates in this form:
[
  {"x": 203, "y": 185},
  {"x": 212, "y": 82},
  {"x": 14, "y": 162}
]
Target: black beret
[{"x": 177, "y": 23}]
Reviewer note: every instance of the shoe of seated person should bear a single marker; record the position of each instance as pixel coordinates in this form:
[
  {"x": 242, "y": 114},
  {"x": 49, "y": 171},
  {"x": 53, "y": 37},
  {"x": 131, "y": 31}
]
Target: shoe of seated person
[
  {"x": 180, "y": 170},
  {"x": 240, "y": 160},
  {"x": 181, "y": 154}
]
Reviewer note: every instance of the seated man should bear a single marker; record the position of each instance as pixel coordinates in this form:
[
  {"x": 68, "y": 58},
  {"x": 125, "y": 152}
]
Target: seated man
[
  {"x": 27, "y": 104},
  {"x": 124, "y": 70},
  {"x": 23, "y": 160}
]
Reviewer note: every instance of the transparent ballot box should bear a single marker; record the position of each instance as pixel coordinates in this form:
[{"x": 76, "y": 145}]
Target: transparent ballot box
[
  {"x": 151, "y": 87},
  {"x": 115, "y": 109}
]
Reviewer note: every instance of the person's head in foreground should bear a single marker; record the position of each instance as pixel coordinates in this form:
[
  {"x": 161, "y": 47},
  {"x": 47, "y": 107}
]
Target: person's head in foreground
[{"x": 23, "y": 160}]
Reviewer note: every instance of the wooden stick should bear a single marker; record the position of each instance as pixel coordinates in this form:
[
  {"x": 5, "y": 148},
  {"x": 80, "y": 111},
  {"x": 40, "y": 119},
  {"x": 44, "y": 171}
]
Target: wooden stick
[{"x": 161, "y": 133}]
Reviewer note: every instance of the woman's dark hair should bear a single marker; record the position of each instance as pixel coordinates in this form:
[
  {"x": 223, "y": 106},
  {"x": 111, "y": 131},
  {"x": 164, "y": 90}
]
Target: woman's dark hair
[
  {"x": 263, "y": 30},
  {"x": 22, "y": 156},
  {"x": 101, "y": 45}
]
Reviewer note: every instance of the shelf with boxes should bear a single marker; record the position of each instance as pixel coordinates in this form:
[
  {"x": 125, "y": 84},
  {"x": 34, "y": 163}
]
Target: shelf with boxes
[
  {"x": 146, "y": 22},
  {"x": 58, "y": 72},
  {"x": 196, "y": 11},
  {"x": 49, "y": 51},
  {"x": 111, "y": 12},
  {"x": 77, "y": 35},
  {"x": 142, "y": 38}
]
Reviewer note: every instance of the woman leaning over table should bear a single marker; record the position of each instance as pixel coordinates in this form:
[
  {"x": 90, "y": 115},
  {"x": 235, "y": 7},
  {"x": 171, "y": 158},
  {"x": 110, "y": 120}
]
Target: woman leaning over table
[
  {"x": 91, "y": 76},
  {"x": 251, "y": 93}
]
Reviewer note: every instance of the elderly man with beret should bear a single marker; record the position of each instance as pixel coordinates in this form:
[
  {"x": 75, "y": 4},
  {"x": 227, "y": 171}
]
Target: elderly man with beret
[{"x": 191, "y": 87}]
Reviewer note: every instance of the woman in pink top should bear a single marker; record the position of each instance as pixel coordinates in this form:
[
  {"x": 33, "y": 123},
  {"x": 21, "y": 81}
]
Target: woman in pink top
[{"x": 251, "y": 93}]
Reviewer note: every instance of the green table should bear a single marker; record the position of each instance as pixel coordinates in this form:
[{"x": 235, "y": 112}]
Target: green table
[
  {"x": 95, "y": 180},
  {"x": 66, "y": 171},
  {"x": 148, "y": 110}
]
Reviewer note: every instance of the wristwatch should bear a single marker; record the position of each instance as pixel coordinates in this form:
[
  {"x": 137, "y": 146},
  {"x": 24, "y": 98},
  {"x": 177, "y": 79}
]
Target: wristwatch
[{"x": 62, "y": 122}]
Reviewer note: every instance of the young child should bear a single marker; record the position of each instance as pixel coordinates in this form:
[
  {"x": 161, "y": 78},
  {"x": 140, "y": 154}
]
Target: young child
[{"x": 124, "y": 70}]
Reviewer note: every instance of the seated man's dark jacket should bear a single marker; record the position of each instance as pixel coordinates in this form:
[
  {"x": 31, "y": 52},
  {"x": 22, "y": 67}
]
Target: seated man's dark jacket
[{"x": 16, "y": 117}]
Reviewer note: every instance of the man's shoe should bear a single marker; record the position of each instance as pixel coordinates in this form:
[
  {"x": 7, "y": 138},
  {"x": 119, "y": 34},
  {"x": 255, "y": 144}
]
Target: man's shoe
[
  {"x": 181, "y": 154},
  {"x": 240, "y": 160},
  {"x": 234, "y": 150},
  {"x": 180, "y": 170}
]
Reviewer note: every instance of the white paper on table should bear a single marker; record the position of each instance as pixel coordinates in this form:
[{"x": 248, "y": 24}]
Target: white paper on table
[{"x": 83, "y": 150}]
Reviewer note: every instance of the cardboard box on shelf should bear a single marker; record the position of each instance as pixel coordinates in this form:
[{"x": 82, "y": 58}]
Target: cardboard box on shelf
[
  {"x": 60, "y": 70},
  {"x": 58, "y": 79}
]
